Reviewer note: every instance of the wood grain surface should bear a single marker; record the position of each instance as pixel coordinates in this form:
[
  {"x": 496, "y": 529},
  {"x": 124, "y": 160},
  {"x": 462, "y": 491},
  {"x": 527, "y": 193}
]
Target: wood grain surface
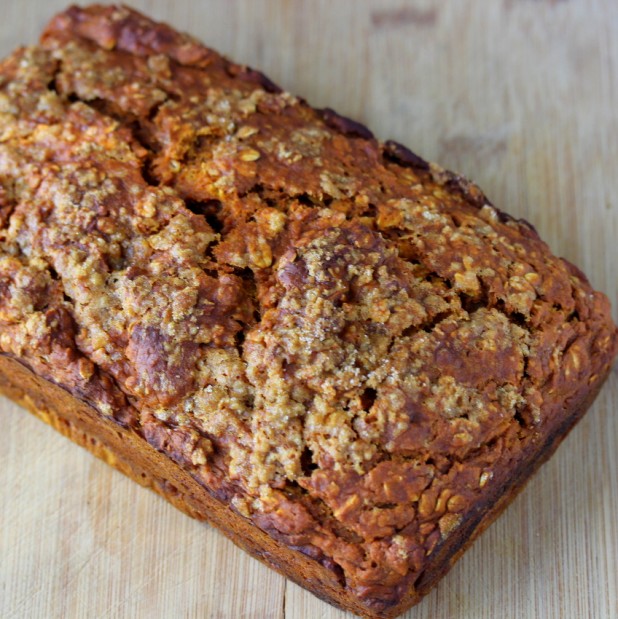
[{"x": 521, "y": 96}]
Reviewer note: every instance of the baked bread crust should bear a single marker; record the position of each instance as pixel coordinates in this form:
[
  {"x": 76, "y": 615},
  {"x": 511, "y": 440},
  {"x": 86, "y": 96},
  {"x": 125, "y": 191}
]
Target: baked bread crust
[{"x": 343, "y": 356}]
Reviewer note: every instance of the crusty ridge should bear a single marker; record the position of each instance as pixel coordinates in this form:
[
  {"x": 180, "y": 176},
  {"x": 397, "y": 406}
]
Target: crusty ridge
[{"x": 349, "y": 345}]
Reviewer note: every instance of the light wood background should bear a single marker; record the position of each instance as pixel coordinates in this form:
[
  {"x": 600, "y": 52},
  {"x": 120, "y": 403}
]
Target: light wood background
[{"x": 520, "y": 95}]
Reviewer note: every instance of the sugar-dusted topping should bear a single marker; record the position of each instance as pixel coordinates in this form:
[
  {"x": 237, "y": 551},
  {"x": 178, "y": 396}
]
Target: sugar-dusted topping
[{"x": 349, "y": 345}]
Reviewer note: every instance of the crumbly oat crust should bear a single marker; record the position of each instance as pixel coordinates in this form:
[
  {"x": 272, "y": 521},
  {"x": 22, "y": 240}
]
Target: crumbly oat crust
[{"x": 350, "y": 346}]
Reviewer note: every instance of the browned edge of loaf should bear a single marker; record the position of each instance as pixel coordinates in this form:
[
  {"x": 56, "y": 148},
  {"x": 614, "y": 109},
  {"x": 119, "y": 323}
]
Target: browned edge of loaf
[
  {"x": 129, "y": 453},
  {"x": 126, "y": 451}
]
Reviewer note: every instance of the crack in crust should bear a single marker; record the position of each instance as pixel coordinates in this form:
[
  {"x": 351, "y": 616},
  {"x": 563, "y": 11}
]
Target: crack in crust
[{"x": 349, "y": 345}]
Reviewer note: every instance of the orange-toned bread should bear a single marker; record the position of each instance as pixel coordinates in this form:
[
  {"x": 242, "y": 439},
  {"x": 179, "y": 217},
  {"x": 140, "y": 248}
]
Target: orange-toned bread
[{"x": 344, "y": 357}]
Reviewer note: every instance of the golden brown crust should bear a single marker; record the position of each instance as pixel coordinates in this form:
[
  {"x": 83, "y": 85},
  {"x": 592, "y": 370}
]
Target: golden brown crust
[{"x": 350, "y": 347}]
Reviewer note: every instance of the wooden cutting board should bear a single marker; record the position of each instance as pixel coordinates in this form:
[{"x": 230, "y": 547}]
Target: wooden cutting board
[{"x": 520, "y": 95}]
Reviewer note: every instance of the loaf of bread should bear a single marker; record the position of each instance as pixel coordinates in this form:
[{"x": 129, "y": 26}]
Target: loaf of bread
[{"x": 344, "y": 357}]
